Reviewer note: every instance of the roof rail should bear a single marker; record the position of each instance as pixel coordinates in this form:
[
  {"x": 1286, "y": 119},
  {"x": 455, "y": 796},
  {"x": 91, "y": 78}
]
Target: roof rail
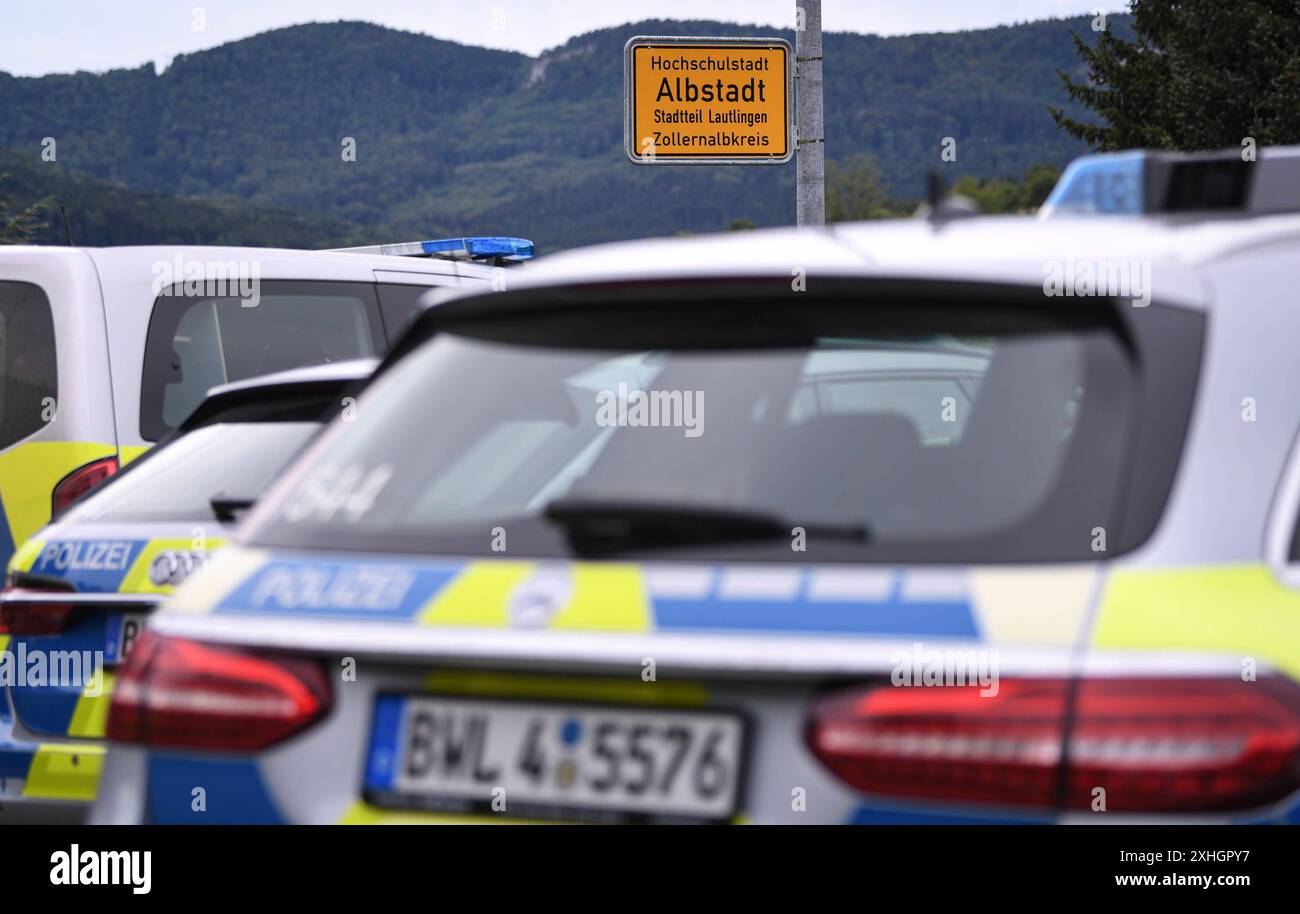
[
  {"x": 1147, "y": 183},
  {"x": 498, "y": 249}
]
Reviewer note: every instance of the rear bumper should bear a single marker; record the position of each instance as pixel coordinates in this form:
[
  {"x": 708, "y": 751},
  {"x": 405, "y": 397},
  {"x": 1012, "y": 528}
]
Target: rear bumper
[
  {"x": 122, "y": 799},
  {"x": 20, "y": 810},
  {"x": 47, "y": 781}
]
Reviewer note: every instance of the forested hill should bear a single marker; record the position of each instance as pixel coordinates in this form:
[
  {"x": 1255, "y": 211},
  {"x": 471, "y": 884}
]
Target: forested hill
[{"x": 451, "y": 138}]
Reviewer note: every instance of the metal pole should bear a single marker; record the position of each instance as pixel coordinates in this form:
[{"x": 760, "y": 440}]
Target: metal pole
[{"x": 810, "y": 189}]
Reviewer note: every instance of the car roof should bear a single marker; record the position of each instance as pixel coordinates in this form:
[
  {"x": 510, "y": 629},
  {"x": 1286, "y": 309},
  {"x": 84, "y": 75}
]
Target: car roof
[
  {"x": 272, "y": 263},
  {"x": 1013, "y": 249}
]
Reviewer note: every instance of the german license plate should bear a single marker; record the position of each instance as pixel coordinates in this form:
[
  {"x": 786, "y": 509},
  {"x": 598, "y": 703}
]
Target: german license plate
[
  {"x": 121, "y": 633},
  {"x": 557, "y": 761}
]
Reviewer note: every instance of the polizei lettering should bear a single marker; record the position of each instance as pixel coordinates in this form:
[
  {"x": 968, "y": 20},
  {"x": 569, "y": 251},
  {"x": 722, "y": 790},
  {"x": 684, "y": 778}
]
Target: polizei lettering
[{"x": 84, "y": 555}]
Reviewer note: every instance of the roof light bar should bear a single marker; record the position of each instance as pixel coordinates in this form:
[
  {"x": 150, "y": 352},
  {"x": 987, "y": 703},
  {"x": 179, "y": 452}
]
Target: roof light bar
[
  {"x": 1100, "y": 184},
  {"x": 470, "y": 248},
  {"x": 1146, "y": 183}
]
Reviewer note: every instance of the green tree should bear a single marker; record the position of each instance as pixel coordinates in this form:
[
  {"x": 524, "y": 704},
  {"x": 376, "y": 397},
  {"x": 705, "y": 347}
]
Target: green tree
[
  {"x": 1198, "y": 74},
  {"x": 21, "y": 226},
  {"x": 1007, "y": 195},
  {"x": 854, "y": 190}
]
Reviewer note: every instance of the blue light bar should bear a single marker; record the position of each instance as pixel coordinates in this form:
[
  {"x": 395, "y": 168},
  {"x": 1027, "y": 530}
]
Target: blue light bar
[
  {"x": 499, "y": 246},
  {"x": 474, "y": 248},
  {"x": 1159, "y": 182},
  {"x": 1106, "y": 184}
]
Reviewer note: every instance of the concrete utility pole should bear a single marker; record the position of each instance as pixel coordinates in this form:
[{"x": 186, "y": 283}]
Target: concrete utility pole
[{"x": 810, "y": 189}]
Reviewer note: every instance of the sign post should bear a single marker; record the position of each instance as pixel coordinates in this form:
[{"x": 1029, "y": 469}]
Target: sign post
[
  {"x": 810, "y": 188},
  {"x": 708, "y": 101}
]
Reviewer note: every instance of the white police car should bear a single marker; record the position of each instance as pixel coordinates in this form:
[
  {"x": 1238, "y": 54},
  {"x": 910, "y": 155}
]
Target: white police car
[
  {"x": 79, "y": 592},
  {"x": 929, "y": 521}
]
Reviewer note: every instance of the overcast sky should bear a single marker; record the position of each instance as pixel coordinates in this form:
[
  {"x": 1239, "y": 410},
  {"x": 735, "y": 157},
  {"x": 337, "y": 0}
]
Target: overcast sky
[{"x": 61, "y": 36}]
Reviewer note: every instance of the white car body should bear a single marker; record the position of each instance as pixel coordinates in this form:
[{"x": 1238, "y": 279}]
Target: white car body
[
  {"x": 101, "y": 301},
  {"x": 1211, "y": 591}
]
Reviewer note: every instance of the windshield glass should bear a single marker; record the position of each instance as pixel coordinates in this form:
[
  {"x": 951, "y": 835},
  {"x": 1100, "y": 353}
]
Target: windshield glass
[
  {"x": 178, "y": 480},
  {"x": 939, "y": 435}
]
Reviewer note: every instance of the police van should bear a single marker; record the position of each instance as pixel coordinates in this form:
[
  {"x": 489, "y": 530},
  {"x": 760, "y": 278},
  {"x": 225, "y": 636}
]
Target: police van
[{"x": 103, "y": 351}]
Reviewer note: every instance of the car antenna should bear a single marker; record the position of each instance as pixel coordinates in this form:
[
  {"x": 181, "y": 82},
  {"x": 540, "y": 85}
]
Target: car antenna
[
  {"x": 935, "y": 189},
  {"x": 940, "y": 206},
  {"x": 67, "y": 226}
]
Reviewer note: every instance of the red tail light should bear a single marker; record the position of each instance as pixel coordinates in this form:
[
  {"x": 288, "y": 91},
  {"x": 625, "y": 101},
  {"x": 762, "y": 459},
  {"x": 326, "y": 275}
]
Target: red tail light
[
  {"x": 34, "y": 612},
  {"x": 946, "y": 743},
  {"x": 79, "y": 482},
  {"x": 179, "y": 693},
  {"x": 1153, "y": 745},
  {"x": 1184, "y": 744}
]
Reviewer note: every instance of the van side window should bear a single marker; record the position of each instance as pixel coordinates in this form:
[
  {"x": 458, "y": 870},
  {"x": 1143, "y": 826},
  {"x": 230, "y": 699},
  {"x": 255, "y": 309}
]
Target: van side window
[
  {"x": 402, "y": 304},
  {"x": 28, "y": 372},
  {"x": 196, "y": 342}
]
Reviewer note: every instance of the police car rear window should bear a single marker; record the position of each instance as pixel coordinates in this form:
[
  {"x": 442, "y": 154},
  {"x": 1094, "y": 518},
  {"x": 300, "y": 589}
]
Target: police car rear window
[
  {"x": 827, "y": 432},
  {"x": 197, "y": 341},
  {"x": 177, "y": 481}
]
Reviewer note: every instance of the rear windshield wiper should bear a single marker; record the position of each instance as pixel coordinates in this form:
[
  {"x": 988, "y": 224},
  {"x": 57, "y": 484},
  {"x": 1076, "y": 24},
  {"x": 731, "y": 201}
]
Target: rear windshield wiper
[
  {"x": 594, "y": 525},
  {"x": 227, "y": 507}
]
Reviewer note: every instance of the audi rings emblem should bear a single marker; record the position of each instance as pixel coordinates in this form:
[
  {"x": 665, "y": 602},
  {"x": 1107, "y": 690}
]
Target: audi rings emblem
[{"x": 172, "y": 566}]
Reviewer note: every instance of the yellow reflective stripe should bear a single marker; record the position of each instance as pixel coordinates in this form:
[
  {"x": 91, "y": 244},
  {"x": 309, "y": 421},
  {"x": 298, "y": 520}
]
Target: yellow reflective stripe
[
  {"x": 477, "y": 596},
  {"x": 1044, "y": 604},
  {"x": 229, "y": 569},
  {"x": 4, "y": 643},
  {"x": 137, "y": 578},
  {"x": 90, "y": 716},
  {"x": 129, "y": 452},
  {"x": 606, "y": 598},
  {"x": 26, "y": 555},
  {"x": 28, "y": 474},
  {"x": 1238, "y": 609},
  {"x": 567, "y": 688},
  {"x": 64, "y": 772},
  {"x": 363, "y": 813}
]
